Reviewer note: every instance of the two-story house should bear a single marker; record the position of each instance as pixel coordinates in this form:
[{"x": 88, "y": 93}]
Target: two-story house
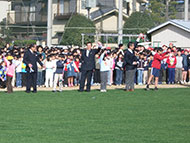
[{"x": 32, "y": 15}]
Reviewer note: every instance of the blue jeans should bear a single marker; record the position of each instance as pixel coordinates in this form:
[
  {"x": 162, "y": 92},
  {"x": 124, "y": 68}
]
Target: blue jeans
[
  {"x": 119, "y": 77},
  {"x": 40, "y": 78},
  {"x": 171, "y": 74},
  {"x": 140, "y": 76},
  {"x": 18, "y": 79}
]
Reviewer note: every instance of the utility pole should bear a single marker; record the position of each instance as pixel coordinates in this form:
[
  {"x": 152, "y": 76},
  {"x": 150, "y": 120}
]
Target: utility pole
[
  {"x": 120, "y": 22},
  {"x": 49, "y": 27},
  {"x": 167, "y": 9},
  {"x": 186, "y": 10},
  {"x": 134, "y": 5}
]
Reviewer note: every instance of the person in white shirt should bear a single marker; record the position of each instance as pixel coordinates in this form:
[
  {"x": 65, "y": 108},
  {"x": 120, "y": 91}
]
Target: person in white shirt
[
  {"x": 49, "y": 64},
  {"x": 179, "y": 66},
  {"x": 104, "y": 70},
  {"x": 18, "y": 63}
]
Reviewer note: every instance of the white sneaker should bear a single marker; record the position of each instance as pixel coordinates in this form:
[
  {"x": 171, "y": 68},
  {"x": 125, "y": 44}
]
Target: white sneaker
[{"x": 103, "y": 90}]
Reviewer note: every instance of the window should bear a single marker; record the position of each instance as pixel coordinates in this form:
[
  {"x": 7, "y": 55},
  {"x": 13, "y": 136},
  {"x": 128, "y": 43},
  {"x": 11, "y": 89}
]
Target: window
[
  {"x": 24, "y": 14},
  {"x": 106, "y": 3},
  {"x": 32, "y": 12},
  {"x": 66, "y": 6},
  {"x": 61, "y": 6}
]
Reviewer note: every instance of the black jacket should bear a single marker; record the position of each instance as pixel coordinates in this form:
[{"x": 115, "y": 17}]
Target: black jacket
[
  {"x": 31, "y": 58},
  {"x": 129, "y": 58},
  {"x": 88, "y": 63},
  {"x": 59, "y": 67},
  {"x": 188, "y": 60}
]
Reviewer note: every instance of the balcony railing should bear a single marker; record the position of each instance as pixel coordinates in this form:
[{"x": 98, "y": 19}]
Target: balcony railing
[{"x": 30, "y": 17}]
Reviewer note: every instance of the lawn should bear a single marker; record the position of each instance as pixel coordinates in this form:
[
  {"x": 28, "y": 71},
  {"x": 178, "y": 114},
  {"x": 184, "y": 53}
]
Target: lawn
[{"x": 114, "y": 117}]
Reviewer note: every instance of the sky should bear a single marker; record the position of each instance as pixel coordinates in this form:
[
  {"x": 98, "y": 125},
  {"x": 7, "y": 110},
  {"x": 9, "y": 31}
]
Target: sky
[{"x": 3, "y": 9}]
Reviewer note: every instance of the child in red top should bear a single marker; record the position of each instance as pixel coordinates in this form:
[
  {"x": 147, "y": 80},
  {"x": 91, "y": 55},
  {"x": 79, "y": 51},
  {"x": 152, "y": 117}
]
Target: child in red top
[
  {"x": 171, "y": 61},
  {"x": 156, "y": 65}
]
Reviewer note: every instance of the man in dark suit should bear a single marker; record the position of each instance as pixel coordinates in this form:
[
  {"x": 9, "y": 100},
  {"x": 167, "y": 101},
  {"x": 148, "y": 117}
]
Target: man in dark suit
[
  {"x": 31, "y": 59},
  {"x": 87, "y": 67},
  {"x": 130, "y": 65}
]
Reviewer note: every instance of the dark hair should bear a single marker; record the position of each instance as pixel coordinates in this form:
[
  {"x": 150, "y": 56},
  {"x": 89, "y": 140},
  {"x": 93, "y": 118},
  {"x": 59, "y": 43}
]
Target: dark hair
[
  {"x": 40, "y": 56},
  {"x": 31, "y": 45},
  {"x": 118, "y": 58},
  {"x": 48, "y": 57},
  {"x": 160, "y": 49},
  {"x": 130, "y": 44},
  {"x": 39, "y": 47},
  {"x": 120, "y": 45},
  {"x": 11, "y": 62},
  {"x": 89, "y": 43}
]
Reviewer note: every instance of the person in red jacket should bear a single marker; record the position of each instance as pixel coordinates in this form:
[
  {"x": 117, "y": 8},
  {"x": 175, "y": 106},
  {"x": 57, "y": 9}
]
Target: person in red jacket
[
  {"x": 156, "y": 65},
  {"x": 171, "y": 61}
]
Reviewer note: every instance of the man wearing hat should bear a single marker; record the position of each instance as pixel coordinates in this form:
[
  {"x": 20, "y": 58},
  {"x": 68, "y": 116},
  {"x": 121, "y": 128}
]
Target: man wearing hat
[{"x": 31, "y": 59}]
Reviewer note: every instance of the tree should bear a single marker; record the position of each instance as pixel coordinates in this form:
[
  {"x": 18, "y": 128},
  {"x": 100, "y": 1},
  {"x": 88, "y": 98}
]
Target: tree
[
  {"x": 162, "y": 10},
  {"x": 138, "y": 23},
  {"x": 5, "y": 33},
  {"x": 72, "y": 34}
]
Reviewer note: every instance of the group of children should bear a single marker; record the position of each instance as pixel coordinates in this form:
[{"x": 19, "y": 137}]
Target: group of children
[{"x": 62, "y": 66}]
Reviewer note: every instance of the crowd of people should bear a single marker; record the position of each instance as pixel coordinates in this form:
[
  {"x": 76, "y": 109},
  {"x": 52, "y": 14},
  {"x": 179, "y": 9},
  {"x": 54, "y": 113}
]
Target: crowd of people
[{"x": 100, "y": 65}]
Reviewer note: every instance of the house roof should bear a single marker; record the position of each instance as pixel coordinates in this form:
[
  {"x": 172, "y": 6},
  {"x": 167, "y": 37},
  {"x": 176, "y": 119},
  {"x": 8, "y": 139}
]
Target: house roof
[
  {"x": 102, "y": 12},
  {"x": 185, "y": 25}
]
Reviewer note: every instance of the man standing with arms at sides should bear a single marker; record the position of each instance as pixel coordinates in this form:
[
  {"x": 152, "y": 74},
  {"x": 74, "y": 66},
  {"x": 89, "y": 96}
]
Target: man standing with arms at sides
[
  {"x": 88, "y": 65},
  {"x": 31, "y": 59},
  {"x": 130, "y": 65}
]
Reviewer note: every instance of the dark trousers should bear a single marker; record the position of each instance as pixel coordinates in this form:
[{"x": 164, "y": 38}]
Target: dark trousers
[
  {"x": 86, "y": 75},
  {"x": 65, "y": 78},
  {"x": 9, "y": 84},
  {"x": 31, "y": 80},
  {"x": 24, "y": 79},
  {"x": 171, "y": 74},
  {"x": 2, "y": 84},
  {"x": 97, "y": 76},
  {"x": 40, "y": 78}
]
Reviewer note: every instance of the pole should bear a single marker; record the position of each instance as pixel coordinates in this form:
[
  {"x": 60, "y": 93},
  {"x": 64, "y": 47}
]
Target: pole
[
  {"x": 167, "y": 9},
  {"x": 88, "y": 9},
  {"x": 186, "y": 9},
  {"x": 49, "y": 30},
  {"x": 120, "y": 22},
  {"x": 82, "y": 40}
]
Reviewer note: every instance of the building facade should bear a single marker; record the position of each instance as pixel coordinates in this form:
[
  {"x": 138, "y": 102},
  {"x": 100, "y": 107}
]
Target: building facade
[
  {"x": 173, "y": 31},
  {"x": 32, "y": 16}
]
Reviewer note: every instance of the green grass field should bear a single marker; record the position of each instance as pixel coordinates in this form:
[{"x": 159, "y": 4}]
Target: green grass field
[{"x": 114, "y": 117}]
